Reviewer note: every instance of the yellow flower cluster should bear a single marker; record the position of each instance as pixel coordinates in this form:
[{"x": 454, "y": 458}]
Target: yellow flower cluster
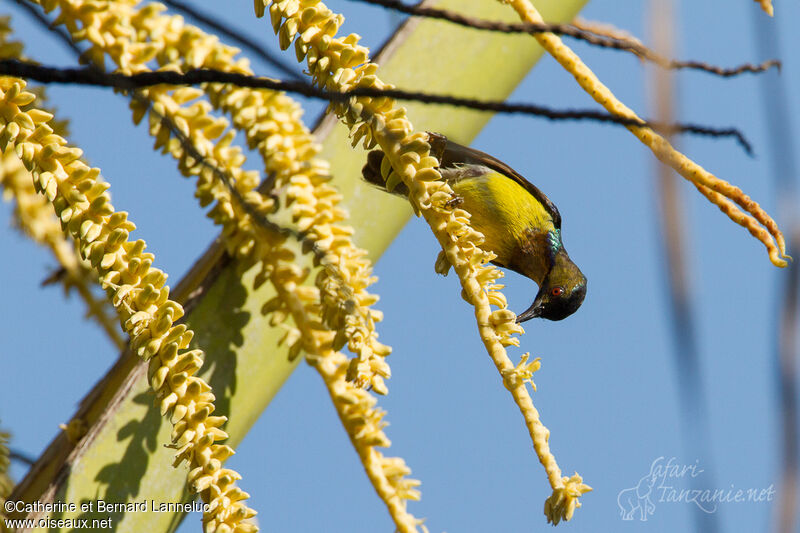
[
  {"x": 340, "y": 64},
  {"x": 730, "y": 199},
  {"x": 522, "y": 373},
  {"x": 563, "y": 502},
  {"x": 139, "y": 294}
]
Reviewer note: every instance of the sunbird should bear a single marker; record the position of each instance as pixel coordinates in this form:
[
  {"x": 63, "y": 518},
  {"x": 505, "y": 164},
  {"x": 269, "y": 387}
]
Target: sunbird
[{"x": 520, "y": 224}]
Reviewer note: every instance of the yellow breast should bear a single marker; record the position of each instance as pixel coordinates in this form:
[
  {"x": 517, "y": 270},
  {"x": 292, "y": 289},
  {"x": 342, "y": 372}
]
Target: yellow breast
[{"x": 503, "y": 211}]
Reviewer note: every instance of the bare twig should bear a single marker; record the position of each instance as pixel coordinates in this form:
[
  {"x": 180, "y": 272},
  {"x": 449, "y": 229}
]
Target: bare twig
[{"x": 22, "y": 457}]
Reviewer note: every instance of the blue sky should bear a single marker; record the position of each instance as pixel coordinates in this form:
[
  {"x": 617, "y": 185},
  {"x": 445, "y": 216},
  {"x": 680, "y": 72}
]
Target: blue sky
[{"x": 608, "y": 387}]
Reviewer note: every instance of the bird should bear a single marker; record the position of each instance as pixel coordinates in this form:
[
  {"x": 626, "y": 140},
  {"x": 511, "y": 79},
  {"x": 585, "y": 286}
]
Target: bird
[{"x": 521, "y": 226}]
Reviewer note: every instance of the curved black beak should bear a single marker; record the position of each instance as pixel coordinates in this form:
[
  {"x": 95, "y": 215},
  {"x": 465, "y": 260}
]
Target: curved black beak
[{"x": 534, "y": 311}]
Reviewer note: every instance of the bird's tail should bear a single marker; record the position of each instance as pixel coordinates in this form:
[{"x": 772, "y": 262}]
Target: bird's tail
[{"x": 378, "y": 172}]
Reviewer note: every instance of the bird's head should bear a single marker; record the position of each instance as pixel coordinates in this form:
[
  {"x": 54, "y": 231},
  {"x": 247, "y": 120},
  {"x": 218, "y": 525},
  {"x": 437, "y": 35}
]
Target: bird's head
[{"x": 561, "y": 292}]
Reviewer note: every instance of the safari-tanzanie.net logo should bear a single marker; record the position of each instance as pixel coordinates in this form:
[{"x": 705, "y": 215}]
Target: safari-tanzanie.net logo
[{"x": 669, "y": 482}]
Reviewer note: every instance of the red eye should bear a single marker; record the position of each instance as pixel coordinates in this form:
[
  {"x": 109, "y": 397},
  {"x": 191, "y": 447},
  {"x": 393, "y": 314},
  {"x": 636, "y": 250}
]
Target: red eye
[{"x": 557, "y": 291}]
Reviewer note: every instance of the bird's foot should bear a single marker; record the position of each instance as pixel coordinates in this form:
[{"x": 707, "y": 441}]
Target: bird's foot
[{"x": 455, "y": 201}]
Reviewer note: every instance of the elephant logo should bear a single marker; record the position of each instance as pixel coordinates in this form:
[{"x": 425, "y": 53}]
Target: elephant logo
[{"x": 638, "y": 498}]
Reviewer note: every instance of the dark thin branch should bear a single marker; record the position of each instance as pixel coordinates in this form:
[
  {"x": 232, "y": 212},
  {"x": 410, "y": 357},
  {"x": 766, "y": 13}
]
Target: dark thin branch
[
  {"x": 83, "y": 76},
  {"x": 569, "y": 30},
  {"x": 22, "y": 457},
  {"x": 235, "y": 35}
]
